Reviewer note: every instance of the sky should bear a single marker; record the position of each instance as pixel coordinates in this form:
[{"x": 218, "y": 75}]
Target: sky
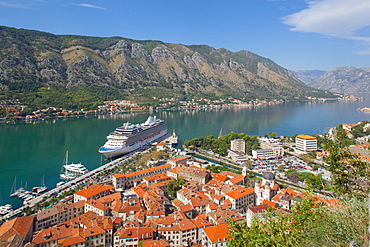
[{"x": 296, "y": 34}]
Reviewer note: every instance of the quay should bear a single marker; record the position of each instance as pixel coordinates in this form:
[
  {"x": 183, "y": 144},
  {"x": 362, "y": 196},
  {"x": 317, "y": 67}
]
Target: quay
[{"x": 81, "y": 179}]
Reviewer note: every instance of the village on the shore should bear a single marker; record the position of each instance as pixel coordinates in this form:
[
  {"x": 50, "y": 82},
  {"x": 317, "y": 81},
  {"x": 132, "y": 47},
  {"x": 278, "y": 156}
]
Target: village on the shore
[
  {"x": 175, "y": 199},
  {"x": 11, "y": 110}
]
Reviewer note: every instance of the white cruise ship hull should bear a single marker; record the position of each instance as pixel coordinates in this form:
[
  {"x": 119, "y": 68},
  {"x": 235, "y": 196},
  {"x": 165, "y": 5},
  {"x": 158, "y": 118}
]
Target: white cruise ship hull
[{"x": 110, "y": 153}]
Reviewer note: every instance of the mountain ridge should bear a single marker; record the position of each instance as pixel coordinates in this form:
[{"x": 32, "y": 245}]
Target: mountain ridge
[
  {"x": 344, "y": 79},
  {"x": 341, "y": 79},
  {"x": 30, "y": 60}
]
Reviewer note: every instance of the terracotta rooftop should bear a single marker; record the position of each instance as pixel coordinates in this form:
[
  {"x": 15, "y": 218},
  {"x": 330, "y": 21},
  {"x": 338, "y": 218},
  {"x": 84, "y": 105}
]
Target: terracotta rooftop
[
  {"x": 96, "y": 204},
  {"x": 240, "y": 192},
  {"x": 180, "y": 158},
  {"x": 306, "y": 137},
  {"x": 93, "y": 190},
  {"x": 217, "y": 234},
  {"x": 132, "y": 174},
  {"x": 140, "y": 233},
  {"x": 259, "y": 208},
  {"x": 74, "y": 240},
  {"x": 201, "y": 222},
  {"x": 155, "y": 243},
  {"x": 223, "y": 216},
  {"x": 18, "y": 226},
  {"x": 219, "y": 177}
]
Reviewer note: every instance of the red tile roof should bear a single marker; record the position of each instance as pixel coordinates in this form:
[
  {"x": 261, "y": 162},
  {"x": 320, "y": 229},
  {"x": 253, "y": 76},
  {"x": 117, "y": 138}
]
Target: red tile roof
[
  {"x": 306, "y": 137},
  {"x": 18, "y": 226},
  {"x": 259, "y": 208},
  {"x": 132, "y": 174},
  {"x": 93, "y": 190},
  {"x": 240, "y": 192},
  {"x": 219, "y": 177},
  {"x": 155, "y": 243},
  {"x": 217, "y": 234}
]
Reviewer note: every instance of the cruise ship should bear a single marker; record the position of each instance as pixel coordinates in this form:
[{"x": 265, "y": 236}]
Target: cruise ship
[{"x": 130, "y": 137}]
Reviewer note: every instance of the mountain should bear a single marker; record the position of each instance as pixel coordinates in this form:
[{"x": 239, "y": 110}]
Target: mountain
[
  {"x": 344, "y": 79},
  {"x": 308, "y": 76},
  {"x": 33, "y": 60}
]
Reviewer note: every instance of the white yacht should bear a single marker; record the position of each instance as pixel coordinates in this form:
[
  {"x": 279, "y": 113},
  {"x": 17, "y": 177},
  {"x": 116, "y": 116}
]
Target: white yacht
[
  {"x": 174, "y": 138},
  {"x": 72, "y": 171}
]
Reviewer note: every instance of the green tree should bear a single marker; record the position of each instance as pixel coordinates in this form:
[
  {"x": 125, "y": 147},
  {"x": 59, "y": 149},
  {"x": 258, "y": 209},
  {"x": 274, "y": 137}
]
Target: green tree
[
  {"x": 350, "y": 174},
  {"x": 280, "y": 168},
  {"x": 278, "y": 229},
  {"x": 173, "y": 186},
  {"x": 272, "y": 134}
]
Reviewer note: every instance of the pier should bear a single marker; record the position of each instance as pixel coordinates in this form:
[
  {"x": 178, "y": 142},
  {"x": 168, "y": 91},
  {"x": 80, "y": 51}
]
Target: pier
[{"x": 81, "y": 179}]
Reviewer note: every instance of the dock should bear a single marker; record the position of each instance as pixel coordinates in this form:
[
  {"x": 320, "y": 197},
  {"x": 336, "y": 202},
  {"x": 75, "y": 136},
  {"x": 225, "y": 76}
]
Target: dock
[{"x": 38, "y": 199}]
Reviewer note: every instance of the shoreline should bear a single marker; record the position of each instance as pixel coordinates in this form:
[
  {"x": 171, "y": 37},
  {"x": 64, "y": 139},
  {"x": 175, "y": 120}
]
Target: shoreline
[{"x": 150, "y": 110}]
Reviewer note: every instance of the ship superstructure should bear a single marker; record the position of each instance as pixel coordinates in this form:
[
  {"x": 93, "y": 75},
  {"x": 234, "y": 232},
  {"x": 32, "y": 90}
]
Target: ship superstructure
[{"x": 130, "y": 137}]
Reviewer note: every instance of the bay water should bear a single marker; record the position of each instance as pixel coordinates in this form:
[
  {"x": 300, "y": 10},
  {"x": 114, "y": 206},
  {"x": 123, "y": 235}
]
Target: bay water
[{"x": 29, "y": 151}]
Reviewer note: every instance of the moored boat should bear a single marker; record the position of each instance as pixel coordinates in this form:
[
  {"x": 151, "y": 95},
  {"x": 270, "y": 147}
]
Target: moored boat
[
  {"x": 7, "y": 208},
  {"x": 42, "y": 188},
  {"x": 72, "y": 171},
  {"x": 174, "y": 138}
]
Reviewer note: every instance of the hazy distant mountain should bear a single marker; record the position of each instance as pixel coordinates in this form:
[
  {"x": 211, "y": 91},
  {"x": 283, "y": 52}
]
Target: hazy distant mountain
[
  {"x": 308, "y": 76},
  {"x": 30, "y": 60},
  {"x": 344, "y": 79}
]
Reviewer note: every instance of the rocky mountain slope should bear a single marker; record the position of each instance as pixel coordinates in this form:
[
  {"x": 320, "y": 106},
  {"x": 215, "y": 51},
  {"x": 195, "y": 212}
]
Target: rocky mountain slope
[
  {"x": 344, "y": 79},
  {"x": 308, "y": 76},
  {"x": 30, "y": 60}
]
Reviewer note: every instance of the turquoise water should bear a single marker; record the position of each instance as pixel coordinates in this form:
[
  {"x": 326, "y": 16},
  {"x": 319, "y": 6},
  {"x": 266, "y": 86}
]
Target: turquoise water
[{"x": 30, "y": 151}]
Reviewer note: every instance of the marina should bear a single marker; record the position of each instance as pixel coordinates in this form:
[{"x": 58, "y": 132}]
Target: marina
[
  {"x": 41, "y": 149},
  {"x": 63, "y": 186}
]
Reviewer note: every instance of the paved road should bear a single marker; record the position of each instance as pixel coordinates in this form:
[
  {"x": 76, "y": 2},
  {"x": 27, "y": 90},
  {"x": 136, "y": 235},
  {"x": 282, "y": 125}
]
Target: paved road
[
  {"x": 81, "y": 179},
  {"x": 281, "y": 181}
]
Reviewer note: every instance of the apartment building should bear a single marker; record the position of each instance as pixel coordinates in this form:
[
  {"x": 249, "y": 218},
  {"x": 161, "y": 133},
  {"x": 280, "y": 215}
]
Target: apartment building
[
  {"x": 126, "y": 181},
  {"x": 57, "y": 214},
  {"x": 93, "y": 192},
  {"x": 215, "y": 236},
  {"x": 269, "y": 153},
  {"x": 305, "y": 144},
  {"x": 238, "y": 145},
  {"x": 241, "y": 199}
]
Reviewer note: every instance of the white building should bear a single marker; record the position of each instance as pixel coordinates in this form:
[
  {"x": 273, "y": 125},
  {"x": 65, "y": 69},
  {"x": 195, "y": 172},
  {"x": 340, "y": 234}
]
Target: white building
[
  {"x": 238, "y": 145},
  {"x": 266, "y": 189},
  {"x": 305, "y": 144},
  {"x": 237, "y": 156},
  {"x": 273, "y": 152},
  {"x": 214, "y": 236},
  {"x": 241, "y": 199}
]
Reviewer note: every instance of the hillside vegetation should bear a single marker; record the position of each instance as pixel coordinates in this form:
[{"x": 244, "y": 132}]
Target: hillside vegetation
[{"x": 82, "y": 71}]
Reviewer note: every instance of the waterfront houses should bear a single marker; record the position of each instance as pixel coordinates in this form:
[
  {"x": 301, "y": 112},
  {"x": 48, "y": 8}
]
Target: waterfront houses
[{"x": 136, "y": 210}]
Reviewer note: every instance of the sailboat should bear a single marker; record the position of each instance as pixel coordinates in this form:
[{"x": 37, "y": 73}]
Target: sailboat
[
  {"x": 4, "y": 209},
  {"x": 42, "y": 187},
  {"x": 72, "y": 171},
  {"x": 16, "y": 191},
  {"x": 220, "y": 134}
]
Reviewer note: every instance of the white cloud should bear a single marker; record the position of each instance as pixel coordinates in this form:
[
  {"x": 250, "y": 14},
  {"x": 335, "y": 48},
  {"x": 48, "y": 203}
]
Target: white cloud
[
  {"x": 90, "y": 6},
  {"x": 363, "y": 52},
  {"x": 13, "y": 5},
  {"x": 335, "y": 18}
]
